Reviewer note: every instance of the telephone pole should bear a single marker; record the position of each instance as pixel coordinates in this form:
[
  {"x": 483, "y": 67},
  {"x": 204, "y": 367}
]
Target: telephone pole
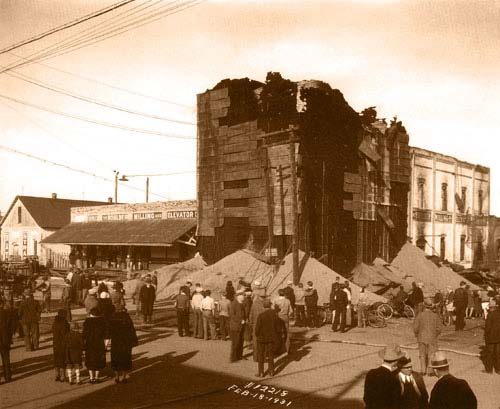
[{"x": 295, "y": 224}]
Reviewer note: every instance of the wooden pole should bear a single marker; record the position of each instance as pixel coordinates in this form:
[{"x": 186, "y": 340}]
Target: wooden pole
[
  {"x": 282, "y": 208},
  {"x": 269, "y": 197},
  {"x": 147, "y": 189},
  {"x": 323, "y": 212},
  {"x": 295, "y": 247}
]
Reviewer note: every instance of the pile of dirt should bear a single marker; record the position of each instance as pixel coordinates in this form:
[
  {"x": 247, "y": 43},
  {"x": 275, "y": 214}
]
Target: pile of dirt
[
  {"x": 322, "y": 277},
  {"x": 242, "y": 264},
  {"x": 376, "y": 278},
  {"x": 414, "y": 266}
]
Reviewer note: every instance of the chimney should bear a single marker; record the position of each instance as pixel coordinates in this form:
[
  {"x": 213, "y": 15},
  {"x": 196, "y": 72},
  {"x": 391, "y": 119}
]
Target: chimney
[
  {"x": 54, "y": 195},
  {"x": 110, "y": 200}
]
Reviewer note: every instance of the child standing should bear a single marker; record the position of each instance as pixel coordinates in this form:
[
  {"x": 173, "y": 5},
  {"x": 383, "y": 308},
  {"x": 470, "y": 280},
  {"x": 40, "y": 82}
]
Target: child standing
[{"x": 74, "y": 347}]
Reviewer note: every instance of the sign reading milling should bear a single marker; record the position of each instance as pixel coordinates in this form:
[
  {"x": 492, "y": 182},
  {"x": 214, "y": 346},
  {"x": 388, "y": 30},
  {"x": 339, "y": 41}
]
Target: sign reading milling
[{"x": 180, "y": 214}]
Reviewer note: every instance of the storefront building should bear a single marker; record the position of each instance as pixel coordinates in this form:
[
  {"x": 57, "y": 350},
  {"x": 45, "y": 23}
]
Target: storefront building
[{"x": 130, "y": 236}]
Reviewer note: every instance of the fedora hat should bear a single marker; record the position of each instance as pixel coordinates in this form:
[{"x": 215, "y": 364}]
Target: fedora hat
[
  {"x": 391, "y": 353},
  {"x": 439, "y": 360},
  {"x": 405, "y": 361}
]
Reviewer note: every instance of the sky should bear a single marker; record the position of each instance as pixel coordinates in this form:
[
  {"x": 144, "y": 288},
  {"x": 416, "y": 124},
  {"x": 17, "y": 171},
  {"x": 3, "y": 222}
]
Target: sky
[{"x": 433, "y": 64}]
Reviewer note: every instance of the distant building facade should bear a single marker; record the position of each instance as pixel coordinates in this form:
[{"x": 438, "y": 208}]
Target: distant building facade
[
  {"x": 130, "y": 236},
  {"x": 31, "y": 219},
  {"x": 449, "y": 207}
]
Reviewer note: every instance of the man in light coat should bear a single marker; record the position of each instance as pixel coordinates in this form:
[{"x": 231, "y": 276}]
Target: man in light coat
[{"x": 427, "y": 327}]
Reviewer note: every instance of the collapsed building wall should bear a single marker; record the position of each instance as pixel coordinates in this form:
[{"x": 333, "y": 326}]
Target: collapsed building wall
[{"x": 249, "y": 133}]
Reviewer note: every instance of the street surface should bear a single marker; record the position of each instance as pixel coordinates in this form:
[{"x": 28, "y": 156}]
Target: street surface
[{"x": 326, "y": 370}]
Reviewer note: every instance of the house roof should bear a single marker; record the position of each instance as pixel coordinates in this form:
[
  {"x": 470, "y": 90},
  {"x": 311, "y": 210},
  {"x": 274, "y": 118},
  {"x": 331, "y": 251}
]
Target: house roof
[
  {"x": 51, "y": 213},
  {"x": 153, "y": 232}
]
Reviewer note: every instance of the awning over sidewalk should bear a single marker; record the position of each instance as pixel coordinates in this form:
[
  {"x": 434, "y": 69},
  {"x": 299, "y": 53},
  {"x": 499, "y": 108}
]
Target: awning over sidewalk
[{"x": 156, "y": 232}]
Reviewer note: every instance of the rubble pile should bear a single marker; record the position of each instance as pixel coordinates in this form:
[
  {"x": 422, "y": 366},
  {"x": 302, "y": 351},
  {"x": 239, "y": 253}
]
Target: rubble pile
[
  {"x": 415, "y": 267},
  {"x": 377, "y": 278}
]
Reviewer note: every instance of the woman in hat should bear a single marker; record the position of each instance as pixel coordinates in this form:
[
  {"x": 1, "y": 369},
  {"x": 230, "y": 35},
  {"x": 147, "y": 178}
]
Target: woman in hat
[
  {"x": 60, "y": 328},
  {"x": 123, "y": 339},
  {"x": 94, "y": 333}
]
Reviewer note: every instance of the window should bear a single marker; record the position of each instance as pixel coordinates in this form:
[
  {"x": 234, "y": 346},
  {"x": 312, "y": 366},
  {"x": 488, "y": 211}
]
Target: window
[
  {"x": 421, "y": 186},
  {"x": 462, "y": 247},
  {"x": 480, "y": 201},
  {"x": 421, "y": 243},
  {"x": 236, "y": 184},
  {"x": 443, "y": 248},
  {"x": 464, "y": 199},
  {"x": 19, "y": 215},
  {"x": 444, "y": 197}
]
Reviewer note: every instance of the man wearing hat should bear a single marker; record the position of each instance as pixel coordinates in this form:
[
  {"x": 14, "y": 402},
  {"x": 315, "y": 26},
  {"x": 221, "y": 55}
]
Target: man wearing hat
[
  {"x": 449, "y": 392},
  {"x": 413, "y": 391},
  {"x": 300, "y": 305},
  {"x": 237, "y": 325},
  {"x": 267, "y": 331},
  {"x": 255, "y": 311},
  {"x": 29, "y": 314},
  {"x": 460, "y": 302},
  {"x": 147, "y": 297},
  {"x": 198, "y": 314},
  {"x": 382, "y": 388},
  {"x": 427, "y": 326},
  {"x": 492, "y": 339},
  {"x": 311, "y": 301}
]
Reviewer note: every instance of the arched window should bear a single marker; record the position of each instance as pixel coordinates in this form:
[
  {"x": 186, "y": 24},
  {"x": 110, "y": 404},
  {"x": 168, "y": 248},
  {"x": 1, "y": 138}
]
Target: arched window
[
  {"x": 421, "y": 187},
  {"x": 444, "y": 197}
]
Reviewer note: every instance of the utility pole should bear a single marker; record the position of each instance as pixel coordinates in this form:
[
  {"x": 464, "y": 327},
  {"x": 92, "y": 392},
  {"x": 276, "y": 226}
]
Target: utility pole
[
  {"x": 295, "y": 224},
  {"x": 147, "y": 189},
  {"x": 116, "y": 185},
  {"x": 270, "y": 205},
  {"x": 282, "y": 208}
]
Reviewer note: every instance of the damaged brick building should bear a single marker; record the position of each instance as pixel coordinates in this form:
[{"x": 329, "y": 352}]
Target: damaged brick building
[{"x": 351, "y": 179}]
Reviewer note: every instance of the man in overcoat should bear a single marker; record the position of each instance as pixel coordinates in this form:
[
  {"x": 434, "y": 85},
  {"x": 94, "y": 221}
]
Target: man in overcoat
[
  {"x": 492, "y": 339},
  {"x": 8, "y": 325},
  {"x": 382, "y": 389},
  {"x": 147, "y": 297},
  {"x": 237, "y": 326},
  {"x": 449, "y": 392},
  {"x": 413, "y": 391},
  {"x": 29, "y": 314},
  {"x": 460, "y": 301},
  {"x": 427, "y": 326},
  {"x": 267, "y": 331}
]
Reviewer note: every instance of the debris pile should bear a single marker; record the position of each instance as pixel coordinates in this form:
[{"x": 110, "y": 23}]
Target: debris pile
[{"x": 378, "y": 278}]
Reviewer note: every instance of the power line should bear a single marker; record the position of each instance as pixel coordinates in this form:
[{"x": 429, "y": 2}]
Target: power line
[
  {"x": 106, "y": 84},
  {"x": 70, "y": 168},
  {"x": 63, "y": 91},
  {"x": 96, "y": 122},
  {"x": 38, "y": 125},
  {"x": 66, "y": 25},
  {"x": 82, "y": 42}
]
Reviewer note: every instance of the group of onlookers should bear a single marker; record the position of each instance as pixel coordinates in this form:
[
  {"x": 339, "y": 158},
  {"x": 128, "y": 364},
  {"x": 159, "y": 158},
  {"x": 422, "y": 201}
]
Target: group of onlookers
[{"x": 395, "y": 385}]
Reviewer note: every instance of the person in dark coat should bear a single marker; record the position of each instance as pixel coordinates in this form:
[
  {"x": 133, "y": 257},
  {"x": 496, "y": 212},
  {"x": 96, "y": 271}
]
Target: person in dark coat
[
  {"x": 413, "y": 391},
  {"x": 182, "y": 303},
  {"x": 333, "y": 294},
  {"x": 341, "y": 302},
  {"x": 8, "y": 325},
  {"x": 60, "y": 328},
  {"x": 267, "y": 331},
  {"x": 460, "y": 301},
  {"x": 123, "y": 339},
  {"x": 230, "y": 291},
  {"x": 29, "y": 314},
  {"x": 492, "y": 339},
  {"x": 255, "y": 311},
  {"x": 290, "y": 294},
  {"x": 382, "y": 389},
  {"x": 237, "y": 326},
  {"x": 95, "y": 331},
  {"x": 147, "y": 298},
  {"x": 105, "y": 305},
  {"x": 449, "y": 392},
  {"x": 311, "y": 300},
  {"x": 74, "y": 351}
]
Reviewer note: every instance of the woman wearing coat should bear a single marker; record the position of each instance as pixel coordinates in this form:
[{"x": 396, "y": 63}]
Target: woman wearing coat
[
  {"x": 123, "y": 339},
  {"x": 95, "y": 331},
  {"x": 60, "y": 328}
]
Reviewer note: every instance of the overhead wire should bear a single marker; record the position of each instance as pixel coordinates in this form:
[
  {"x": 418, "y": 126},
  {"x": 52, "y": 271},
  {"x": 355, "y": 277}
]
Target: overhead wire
[
  {"x": 96, "y": 122},
  {"x": 70, "y": 168},
  {"x": 83, "y": 41},
  {"x": 132, "y": 92},
  {"x": 95, "y": 101},
  {"x": 65, "y": 26}
]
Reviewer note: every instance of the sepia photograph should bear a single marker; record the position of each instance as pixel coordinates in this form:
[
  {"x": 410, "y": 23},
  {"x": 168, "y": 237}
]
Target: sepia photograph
[{"x": 250, "y": 204}]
